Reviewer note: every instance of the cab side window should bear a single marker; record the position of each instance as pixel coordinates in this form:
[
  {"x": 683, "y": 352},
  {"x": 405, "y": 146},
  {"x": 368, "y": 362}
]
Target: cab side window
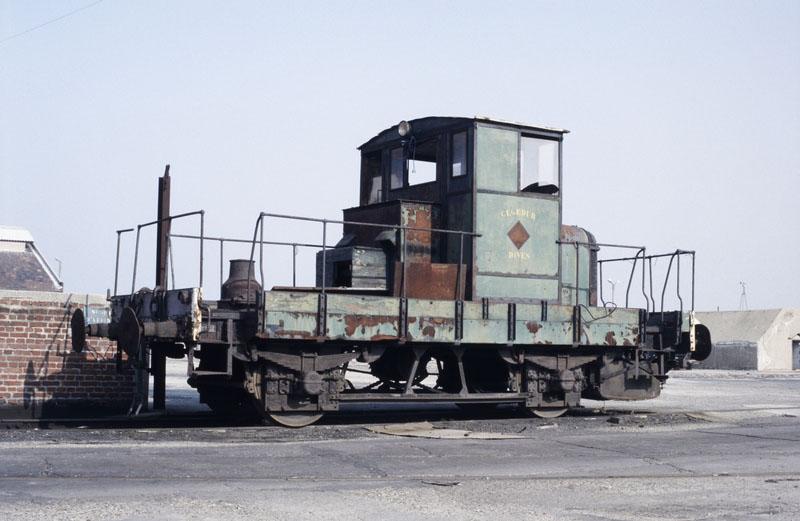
[
  {"x": 538, "y": 165},
  {"x": 458, "y": 166},
  {"x": 396, "y": 169},
  {"x": 372, "y": 178}
]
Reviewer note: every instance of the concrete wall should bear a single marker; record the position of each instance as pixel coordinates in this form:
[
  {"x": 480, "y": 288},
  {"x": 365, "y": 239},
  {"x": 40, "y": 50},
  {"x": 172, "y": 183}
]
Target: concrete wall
[
  {"x": 40, "y": 375},
  {"x": 775, "y": 346},
  {"x": 732, "y": 355}
]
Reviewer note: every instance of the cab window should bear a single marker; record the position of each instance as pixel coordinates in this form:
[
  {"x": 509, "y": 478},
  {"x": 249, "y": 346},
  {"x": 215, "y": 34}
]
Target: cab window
[
  {"x": 396, "y": 170},
  {"x": 372, "y": 176},
  {"x": 538, "y": 160},
  {"x": 458, "y": 166},
  {"x": 422, "y": 162}
]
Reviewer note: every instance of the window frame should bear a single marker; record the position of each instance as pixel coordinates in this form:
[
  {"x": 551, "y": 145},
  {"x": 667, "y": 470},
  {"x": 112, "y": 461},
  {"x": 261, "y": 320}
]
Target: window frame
[
  {"x": 451, "y": 158},
  {"x": 558, "y": 143},
  {"x": 403, "y": 173}
]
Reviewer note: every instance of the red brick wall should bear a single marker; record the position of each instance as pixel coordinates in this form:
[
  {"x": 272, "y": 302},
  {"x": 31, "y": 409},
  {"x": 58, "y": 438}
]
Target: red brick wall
[{"x": 40, "y": 375}]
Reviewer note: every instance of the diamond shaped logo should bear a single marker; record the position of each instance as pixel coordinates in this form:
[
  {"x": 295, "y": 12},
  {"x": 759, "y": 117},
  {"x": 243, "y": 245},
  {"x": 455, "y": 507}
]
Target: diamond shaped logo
[{"x": 518, "y": 235}]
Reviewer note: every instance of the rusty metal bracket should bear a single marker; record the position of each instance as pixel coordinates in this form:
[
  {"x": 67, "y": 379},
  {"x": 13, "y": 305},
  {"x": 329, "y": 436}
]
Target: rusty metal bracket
[
  {"x": 512, "y": 322},
  {"x": 459, "y": 321},
  {"x": 322, "y": 316},
  {"x": 576, "y": 326},
  {"x": 402, "y": 324}
]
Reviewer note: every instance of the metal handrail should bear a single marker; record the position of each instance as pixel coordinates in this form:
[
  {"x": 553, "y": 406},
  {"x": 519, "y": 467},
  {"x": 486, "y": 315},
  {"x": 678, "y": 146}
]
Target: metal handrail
[
  {"x": 649, "y": 269},
  {"x": 223, "y": 240},
  {"x": 139, "y": 227},
  {"x": 596, "y": 247},
  {"x": 258, "y": 238}
]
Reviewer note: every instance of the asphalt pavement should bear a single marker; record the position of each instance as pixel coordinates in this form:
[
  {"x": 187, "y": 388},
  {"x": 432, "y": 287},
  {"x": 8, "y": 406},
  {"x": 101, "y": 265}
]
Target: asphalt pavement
[{"x": 715, "y": 445}]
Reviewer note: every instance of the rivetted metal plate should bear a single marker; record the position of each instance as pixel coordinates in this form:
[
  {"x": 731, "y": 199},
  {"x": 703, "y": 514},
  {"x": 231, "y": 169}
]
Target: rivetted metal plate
[
  {"x": 77, "y": 326},
  {"x": 129, "y": 332}
]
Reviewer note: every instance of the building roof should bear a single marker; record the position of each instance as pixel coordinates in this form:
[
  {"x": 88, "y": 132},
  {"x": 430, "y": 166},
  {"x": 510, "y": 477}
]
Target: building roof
[
  {"x": 22, "y": 267},
  {"x": 738, "y": 326},
  {"x": 14, "y": 234}
]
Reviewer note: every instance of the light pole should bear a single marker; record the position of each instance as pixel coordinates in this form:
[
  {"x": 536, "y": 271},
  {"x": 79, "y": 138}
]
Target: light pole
[{"x": 613, "y": 286}]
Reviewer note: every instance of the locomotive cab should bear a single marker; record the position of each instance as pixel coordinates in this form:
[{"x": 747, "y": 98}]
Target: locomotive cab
[{"x": 498, "y": 180}]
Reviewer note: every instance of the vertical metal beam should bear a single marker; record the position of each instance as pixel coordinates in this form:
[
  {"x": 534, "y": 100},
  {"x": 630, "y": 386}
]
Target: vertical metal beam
[
  {"x": 162, "y": 229},
  {"x": 158, "y": 361}
]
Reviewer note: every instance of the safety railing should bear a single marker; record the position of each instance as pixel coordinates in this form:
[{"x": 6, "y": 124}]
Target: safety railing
[
  {"x": 258, "y": 239},
  {"x": 222, "y": 240},
  {"x": 595, "y": 246},
  {"x": 647, "y": 272},
  {"x": 138, "y": 230}
]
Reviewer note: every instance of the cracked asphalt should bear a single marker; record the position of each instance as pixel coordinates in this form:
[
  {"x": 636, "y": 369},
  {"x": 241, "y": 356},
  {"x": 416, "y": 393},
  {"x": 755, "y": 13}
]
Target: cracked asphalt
[{"x": 716, "y": 445}]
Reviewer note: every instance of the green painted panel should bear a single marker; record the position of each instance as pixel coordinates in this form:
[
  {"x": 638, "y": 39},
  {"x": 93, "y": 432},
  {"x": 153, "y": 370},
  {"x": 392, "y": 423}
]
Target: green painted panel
[
  {"x": 516, "y": 287},
  {"x": 359, "y": 317},
  {"x": 431, "y": 320},
  {"x": 290, "y": 315},
  {"x": 496, "y": 159},
  {"x": 370, "y": 318},
  {"x": 518, "y": 235},
  {"x": 568, "y": 274},
  {"x": 493, "y": 329}
]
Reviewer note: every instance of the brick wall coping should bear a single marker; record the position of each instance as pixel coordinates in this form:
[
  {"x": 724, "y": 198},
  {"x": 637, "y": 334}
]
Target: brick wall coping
[{"x": 55, "y": 297}]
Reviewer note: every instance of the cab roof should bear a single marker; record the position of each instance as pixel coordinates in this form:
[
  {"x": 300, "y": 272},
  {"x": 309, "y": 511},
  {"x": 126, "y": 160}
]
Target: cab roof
[{"x": 431, "y": 124}]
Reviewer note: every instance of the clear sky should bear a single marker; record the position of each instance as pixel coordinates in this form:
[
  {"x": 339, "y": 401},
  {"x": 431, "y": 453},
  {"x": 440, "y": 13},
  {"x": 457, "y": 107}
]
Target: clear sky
[{"x": 685, "y": 118}]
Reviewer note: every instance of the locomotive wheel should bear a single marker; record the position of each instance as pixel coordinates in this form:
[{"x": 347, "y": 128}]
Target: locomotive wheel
[
  {"x": 547, "y": 412},
  {"x": 293, "y": 419}
]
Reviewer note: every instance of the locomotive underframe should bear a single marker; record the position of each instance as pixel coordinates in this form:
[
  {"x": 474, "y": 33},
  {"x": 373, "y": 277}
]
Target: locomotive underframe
[{"x": 273, "y": 356}]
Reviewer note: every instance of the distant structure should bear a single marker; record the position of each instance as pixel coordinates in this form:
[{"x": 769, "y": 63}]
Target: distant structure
[
  {"x": 760, "y": 339},
  {"x": 22, "y": 266},
  {"x": 743, "y": 297}
]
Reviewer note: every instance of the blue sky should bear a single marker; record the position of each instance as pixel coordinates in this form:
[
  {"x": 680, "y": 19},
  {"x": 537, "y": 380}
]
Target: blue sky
[{"x": 685, "y": 118}]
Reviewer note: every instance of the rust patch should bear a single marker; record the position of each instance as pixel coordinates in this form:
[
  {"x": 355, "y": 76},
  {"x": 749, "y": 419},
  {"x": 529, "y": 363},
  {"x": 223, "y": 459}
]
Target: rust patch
[
  {"x": 610, "y": 340},
  {"x": 293, "y": 333},
  {"x": 626, "y": 342},
  {"x": 353, "y": 323},
  {"x": 533, "y": 327},
  {"x": 377, "y": 338},
  {"x": 429, "y": 331}
]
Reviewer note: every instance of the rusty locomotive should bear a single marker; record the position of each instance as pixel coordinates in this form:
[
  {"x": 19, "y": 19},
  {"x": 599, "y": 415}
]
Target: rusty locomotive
[{"x": 454, "y": 281}]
